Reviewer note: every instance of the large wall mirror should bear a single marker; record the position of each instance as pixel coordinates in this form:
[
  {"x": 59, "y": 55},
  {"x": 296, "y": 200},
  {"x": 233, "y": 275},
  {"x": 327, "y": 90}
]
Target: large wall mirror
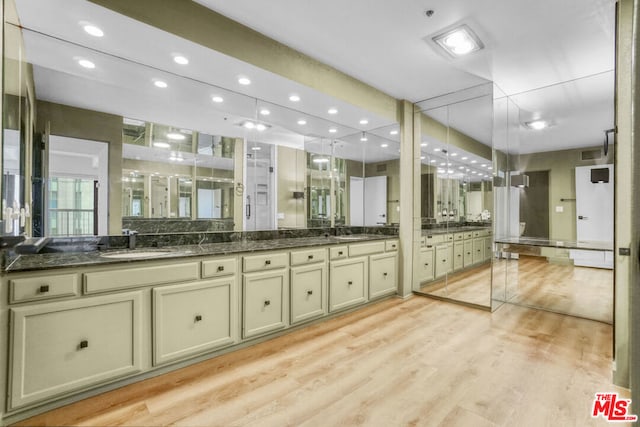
[
  {"x": 456, "y": 203},
  {"x": 105, "y": 134}
]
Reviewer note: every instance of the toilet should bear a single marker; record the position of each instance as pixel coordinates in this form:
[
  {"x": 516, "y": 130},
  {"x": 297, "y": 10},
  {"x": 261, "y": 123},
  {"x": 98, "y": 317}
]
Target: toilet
[{"x": 522, "y": 227}]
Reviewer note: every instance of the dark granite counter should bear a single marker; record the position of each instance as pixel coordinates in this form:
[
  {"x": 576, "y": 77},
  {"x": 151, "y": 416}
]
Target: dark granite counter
[
  {"x": 508, "y": 242},
  {"x": 83, "y": 259},
  {"x": 456, "y": 229}
]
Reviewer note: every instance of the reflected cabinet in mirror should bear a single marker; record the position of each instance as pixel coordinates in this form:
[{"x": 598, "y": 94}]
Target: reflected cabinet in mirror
[
  {"x": 456, "y": 203},
  {"x": 101, "y": 137}
]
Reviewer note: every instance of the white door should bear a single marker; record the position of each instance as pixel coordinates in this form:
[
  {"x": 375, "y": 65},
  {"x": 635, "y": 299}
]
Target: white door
[
  {"x": 594, "y": 206},
  {"x": 209, "y": 203},
  {"x": 375, "y": 201},
  {"x": 356, "y": 201}
]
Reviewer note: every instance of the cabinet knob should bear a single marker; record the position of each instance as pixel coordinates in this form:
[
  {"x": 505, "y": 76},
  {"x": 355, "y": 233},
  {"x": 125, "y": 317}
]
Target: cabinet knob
[
  {"x": 198, "y": 317},
  {"x": 268, "y": 262},
  {"x": 221, "y": 268},
  {"x": 83, "y": 344},
  {"x": 426, "y": 264},
  {"x": 393, "y": 246},
  {"x": 385, "y": 274},
  {"x": 44, "y": 289},
  {"x": 459, "y": 255},
  {"x": 350, "y": 282},
  {"x": 340, "y": 253},
  {"x": 310, "y": 256},
  {"x": 468, "y": 253},
  {"x": 444, "y": 260},
  {"x": 267, "y": 302},
  {"x": 309, "y": 292}
]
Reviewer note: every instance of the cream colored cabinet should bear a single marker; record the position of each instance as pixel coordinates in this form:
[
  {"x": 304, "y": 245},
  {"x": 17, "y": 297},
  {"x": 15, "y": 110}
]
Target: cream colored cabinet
[
  {"x": 426, "y": 265},
  {"x": 42, "y": 287},
  {"x": 383, "y": 275},
  {"x": 488, "y": 248},
  {"x": 308, "y": 292},
  {"x": 193, "y": 318},
  {"x": 443, "y": 259},
  {"x": 348, "y": 283},
  {"x": 60, "y": 347},
  {"x": 458, "y": 255},
  {"x": 468, "y": 253},
  {"x": 478, "y": 250},
  {"x": 263, "y": 302}
]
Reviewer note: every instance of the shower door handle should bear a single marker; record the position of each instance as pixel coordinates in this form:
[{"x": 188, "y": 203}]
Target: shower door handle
[
  {"x": 582, "y": 217},
  {"x": 248, "y": 207}
]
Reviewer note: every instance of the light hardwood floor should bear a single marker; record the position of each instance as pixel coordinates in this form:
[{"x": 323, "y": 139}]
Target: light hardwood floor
[
  {"x": 472, "y": 286},
  {"x": 417, "y": 362}
]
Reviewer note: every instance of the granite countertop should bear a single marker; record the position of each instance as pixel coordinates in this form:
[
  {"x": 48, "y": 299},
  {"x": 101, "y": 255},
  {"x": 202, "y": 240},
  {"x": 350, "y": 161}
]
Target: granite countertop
[
  {"x": 80, "y": 259},
  {"x": 558, "y": 244},
  {"x": 458, "y": 229}
]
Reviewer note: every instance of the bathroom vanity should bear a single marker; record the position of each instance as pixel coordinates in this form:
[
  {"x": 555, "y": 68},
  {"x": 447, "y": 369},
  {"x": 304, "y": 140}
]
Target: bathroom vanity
[{"x": 83, "y": 323}]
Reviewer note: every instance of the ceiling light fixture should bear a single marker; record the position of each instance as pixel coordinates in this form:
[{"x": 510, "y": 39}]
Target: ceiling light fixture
[
  {"x": 302, "y": 122},
  {"x": 217, "y": 99},
  {"x": 433, "y": 161},
  {"x": 256, "y": 148},
  {"x": 454, "y": 154},
  {"x": 364, "y": 122},
  {"x": 244, "y": 81},
  {"x": 393, "y": 132},
  {"x": 364, "y": 138},
  {"x": 86, "y": 64},
  {"x": 424, "y": 144},
  {"x": 422, "y": 157},
  {"x": 161, "y": 144},
  {"x": 384, "y": 145},
  {"x": 333, "y": 130},
  {"x": 333, "y": 111},
  {"x": 93, "y": 30},
  {"x": 261, "y": 127},
  {"x": 294, "y": 98},
  {"x": 436, "y": 149},
  {"x": 181, "y": 60},
  {"x": 161, "y": 84},
  {"x": 537, "y": 124},
  {"x": 459, "y": 41},
  {"x": 176, "y": 136},
  {"x": 249, "y": 125},
  {"x": 320, "y": 160},
  {"x": 265, "y": 112},
  {"x": 464, "y": 158}
]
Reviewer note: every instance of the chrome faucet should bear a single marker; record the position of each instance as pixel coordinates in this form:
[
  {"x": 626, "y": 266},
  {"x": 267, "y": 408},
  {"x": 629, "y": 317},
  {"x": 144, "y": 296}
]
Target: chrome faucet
[{"x": 131, "y": 234}]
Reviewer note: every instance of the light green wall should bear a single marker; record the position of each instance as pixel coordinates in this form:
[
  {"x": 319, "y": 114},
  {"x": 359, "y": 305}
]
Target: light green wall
[
  {"x": 439, "y": 131},
  {"x": 63, "y": 120},
  {"x": 194, "y": 22},
  {"x": 562, "y": 184},
  {"x": 291, "y": 175}
]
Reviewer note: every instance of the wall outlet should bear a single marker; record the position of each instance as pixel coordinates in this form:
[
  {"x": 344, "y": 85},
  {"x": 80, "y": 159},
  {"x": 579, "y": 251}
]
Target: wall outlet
[{"x": 559, "y": 209}]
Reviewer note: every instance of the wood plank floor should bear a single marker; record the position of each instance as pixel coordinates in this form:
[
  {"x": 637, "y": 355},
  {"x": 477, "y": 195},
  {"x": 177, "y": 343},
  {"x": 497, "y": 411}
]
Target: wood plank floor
[
  {"x": 472, "y": 286},
  {"x": 417, "y": 362}
]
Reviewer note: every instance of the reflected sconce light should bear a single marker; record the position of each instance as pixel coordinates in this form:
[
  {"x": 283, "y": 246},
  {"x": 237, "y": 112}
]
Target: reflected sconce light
[
  {"x": 298, "y": 195},
  {"x": 520, "y": 181}
]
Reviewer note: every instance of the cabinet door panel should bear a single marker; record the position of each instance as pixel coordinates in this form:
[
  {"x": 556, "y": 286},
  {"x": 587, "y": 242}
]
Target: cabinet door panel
[
  {"x": 308, "y": 292},
  {"x": 61, "y": 347},
  {"x": 263, "y": 302},
  {"x": 443, "y": 261},
  {"x": 193, "y": 318},
  {"x": 426, "y": 265},
  {"x": 478, "y": 250},
  {"x": 468, "y": 253},
  {"x": 347, "y": 283},
  {"x": 383, "y": 275},
  {"x": 458, "y": 255}
]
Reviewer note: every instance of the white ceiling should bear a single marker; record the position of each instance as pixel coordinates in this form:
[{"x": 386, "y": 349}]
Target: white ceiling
[{"x": 386, "y": 44}]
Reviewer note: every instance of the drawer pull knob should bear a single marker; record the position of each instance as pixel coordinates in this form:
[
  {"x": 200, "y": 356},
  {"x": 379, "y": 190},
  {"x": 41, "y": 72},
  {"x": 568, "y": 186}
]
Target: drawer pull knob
[
  {"x": 459, "y": 255},
  {"x": 340, "y": 253},
  {"x": 350, "y": 282},
  {"x": 385, "y": 274},
  {"x": 198, "y": 317},
  {"x": 221, "y": 268},
  {"x": 44, "y": 289},
  {"x": 393, "y": 246},
  {"x": 310, "y": 257},
  {"x": 83, "y": 344},
  {"x": 267, "y": 302},
  {"x": 268, "y": 262},
  {"x": 444, "y": 260},
  {"x": 309, "y": 292}
]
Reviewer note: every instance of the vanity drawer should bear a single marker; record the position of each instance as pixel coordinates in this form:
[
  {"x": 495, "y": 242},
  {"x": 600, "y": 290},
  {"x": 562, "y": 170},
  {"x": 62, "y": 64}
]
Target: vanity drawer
[
  {"x": 308, "y": 256},
  {"x": 391, "y": 245},
  {"x": 468, "y": 235},
  {"x": 432, "y": 239},
  {"x": 37, "y": 288},
  {"x": 104, "y": 281},
  {"x": 478, "y": 233},
  {"x": 219, "y": 267},
  {"x": 448, "y": 238},
  {"x": 265, "y": 262},
  {"x": 338, "y": 252},
  {"x": 366, "y": 248},
  {"x": 458, "y": 236}
]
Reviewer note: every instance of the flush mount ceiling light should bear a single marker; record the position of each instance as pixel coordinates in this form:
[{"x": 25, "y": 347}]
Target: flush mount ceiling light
[
  {"x": 294, "y": 98},
  {"x": 92, "y": 30},
  {"x": 537, "y": 124},
  {"x": 364, "y": 138},
  {"x": 252, "y": 125},
  {"x": 86, "y": 64},
  {"x": 161, "y": 84},
  {"x": 244, "y": 81},
  {"x": 181, "y": 60},
  {"x": 384, "y": 145},
  {"x": 265, "y": 112},
  {"x": 364, "y": 122},
  {"x": 332, "y": 111},
  {"x": 459, "y": 41},
  {"x": 424, "y": 144},
  {"x": 176, "y": 136},
  {"x": 217, "y": 99},
  {"x": 393, "y": 132},
  {"x": 302, "y": 122},
  {"x": 333, "y": 130},
  {"x": 256, "y": 148}
]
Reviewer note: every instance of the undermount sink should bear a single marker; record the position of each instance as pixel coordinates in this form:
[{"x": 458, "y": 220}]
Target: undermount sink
[{"x": 136, "y": 254}]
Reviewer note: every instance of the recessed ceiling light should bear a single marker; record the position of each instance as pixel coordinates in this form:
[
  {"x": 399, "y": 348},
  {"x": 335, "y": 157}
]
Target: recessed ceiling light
[
  {"x": 256, "y": 148},
  {"x": 441, "y": 170},
  {"x": 433, "y": 161},
  {"x": 443, "y": 164},
  {"x": 461, "y": 167},
  {"x": 490, "y": 168},
  {"x": 537, "y": 124},
  {"x": 161, "y": 144},
  {"x": 249, "y": 125},
  {"x": 244, "y": 81},
  {"x": 448, "y": 164},
  {"x": 483, "y": 165},
  {"x": 176, "y": 136},
  {"x": 260, "y": 127},
  {"x": 449, "y": 170},
  {"x": 473, "y": 172},
  {"x": 265, "y": 112},
  {"x": 333, "y": 130},
  {"x": 464, "y": 158},
  {"x": 179, "y": 59},
  {"x": 474, "y": 161},
  {"x": 93, "y": 30},
  {"x": 424, "y": 144},
  {"x": 294, "y": 98},
  {"x": 422, "y": 157},
  {"x": 384, "y": 145},
  {"x": 161, "y": 84},
  {"x": 393, "y": 132},
  {"x": 364, "y": 122},
  {"x": 333, "y": 111},
  {"x": 364, "y": 139},
  {"x": 302, "y": 122},
  {"x": 86, "y": 63},
  {"x": 436, "y": 149},
  {"x": 454, "y": 154},
  {"x": 217, "y": 99},
  {"x": 459, "y": 41}
]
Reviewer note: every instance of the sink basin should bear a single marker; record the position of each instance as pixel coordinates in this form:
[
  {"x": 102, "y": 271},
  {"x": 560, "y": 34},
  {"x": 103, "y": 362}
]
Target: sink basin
[
  {"x": 351, "y": 237},
  {"x": 135, "y": 254}
]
